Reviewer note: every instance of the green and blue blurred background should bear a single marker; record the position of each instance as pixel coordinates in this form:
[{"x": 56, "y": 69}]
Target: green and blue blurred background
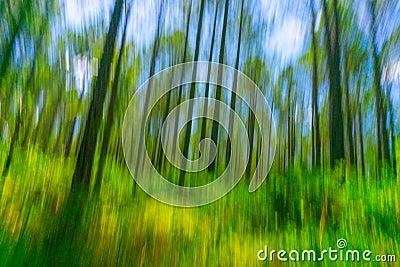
[{"x": 329, "y": 69}]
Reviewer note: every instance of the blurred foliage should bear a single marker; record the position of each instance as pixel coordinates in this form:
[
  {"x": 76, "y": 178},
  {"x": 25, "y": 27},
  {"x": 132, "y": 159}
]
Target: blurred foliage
[{"x": 49, "y": 74}]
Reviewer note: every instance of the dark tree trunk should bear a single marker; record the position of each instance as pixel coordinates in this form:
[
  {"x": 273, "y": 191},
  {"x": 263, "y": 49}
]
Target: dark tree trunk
[
  {"x": 110, "y": 113},
  {"x": 316, "y": 139},
  {"x": 234, "y": 85},
  {"x": 218, "y": 94},
  {"x": 61, "y": 245},
  {"x": 87, "y": 148},
  {"x": 380, "y": 108},
  {"x": 13, "y": 144},
  {"x": 349, "y": 123},
  {"x": 207, "y": 91},
  {"x": 71, "y": 128},
  {"x": 335, "y": 93},
  {"x": 152, "y": 71},
  {"x": 191, "y": 93},
  {"x": 360, "y": 130},
  {"x": 24, "y": 12},
  {"x": 44, "y": 144},
  {"x": 29, "y": 123},
  {"x": 180, "y": 90},
  {"x": 393, "y": 134}
]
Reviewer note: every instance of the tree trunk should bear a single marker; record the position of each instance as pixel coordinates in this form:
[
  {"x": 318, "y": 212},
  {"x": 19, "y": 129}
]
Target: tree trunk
[
  {"x": 393, "y": 134},
  {"x": 191, "y": 94},
  {"x": 349, "y": 123},
  {"x": 234, "y": 85},
  {"x": 380, "y": 110},
  {"x": 13, "y": 144},
  {"x": 152, "y": 71},
  {"x": 110, "y": 114},
  {"x": 335, "y": 93},
  {"x": 207, "y": 91},
  {"x": 44, "y": 144},
  {"x": 316, "y": 139},
  {"x": 360, "y": 130},
  {"x": 218, "y": 94},
  {"x": 71, "y": 128},
  {"x": 24, "y": 12},
  {"x": 87, "y": 148},
  {"x": 61, "y": 242}
]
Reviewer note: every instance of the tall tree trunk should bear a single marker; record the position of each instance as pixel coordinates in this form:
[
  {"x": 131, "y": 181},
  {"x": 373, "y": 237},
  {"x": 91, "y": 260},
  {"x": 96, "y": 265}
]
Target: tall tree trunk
[
  {"x": 250, "y": 129},
  {"x": 147, "y": 99},
  {"x": 87, "y": 148},
  {"x": 207, "y": 90},
  {"x": 13, "y": 144},
  {"x": 380, "y": 111},
  {"x": 191, "y": 94},
  {"x": 218, "y": 94},
  {"x": 290, "y": 107},
  {"x": 44, "y": 144},
  {"x": 234, "y": 85},
  {"x": 70, "y": 218},
  {"x": 335, "y": 93},
  {"x": 360, "y": 129},
  {"x": 24, "y": 12},
  {"x": 29, "y": 123},
  {"x": 160, "y": 155},
  {"x": 180, "y": 90},
  {"x": 18, "y": 122},
  {"x": 316, "y": 139},
  {"x": 349, "y": 123},
  {"x": 71, "y": 128},
  {"x": 110, "y": 113},
  {"x": 392, "y": 131}
]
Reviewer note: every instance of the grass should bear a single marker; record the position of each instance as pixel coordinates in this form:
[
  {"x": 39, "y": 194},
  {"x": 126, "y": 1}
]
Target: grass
[{"x": 301, "y": 211}]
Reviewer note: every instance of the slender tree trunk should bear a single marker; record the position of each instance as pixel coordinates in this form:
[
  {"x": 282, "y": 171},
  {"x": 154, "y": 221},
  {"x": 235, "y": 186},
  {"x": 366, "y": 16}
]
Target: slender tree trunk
[
  {"x": 110, "y": 113},
  {"x": 393, "y": 134},
  {"x": 13, "y": 144},
  {"x": 290, "y": 121},
  {"x": 192, "y": 93},
  {"x": 207, "y": 90},
  {"x": 349, "y": 123},
  {"x": 147, "y": 99},
  {"x": 218, "y": 94},
  {"x": 380, "y": 111},
  {"x": 234, "y": 86},
  {"x": 301, "y": 130},
  {"x": 24, "y": 12},
  {"x": 70, "y": 218},
  {"x": 360, "y": 130},
  {"x": 355, "y": 143},
  {"x": 71, "y": 128},
  {"x": 29, "y": 123},
  {"x": 87, "y": 149},
  {"x": 335, "y": 93},
  {"x": 46, "y": 137},
  {"x": 160, "y": 155},
  {"x": 251, "y": 121},
  {"x": 316, "y": 139}
]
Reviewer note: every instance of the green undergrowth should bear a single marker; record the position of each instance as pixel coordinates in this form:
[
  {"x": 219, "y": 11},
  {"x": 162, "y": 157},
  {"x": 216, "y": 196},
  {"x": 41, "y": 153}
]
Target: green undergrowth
[{"x": 125, "y": 227}]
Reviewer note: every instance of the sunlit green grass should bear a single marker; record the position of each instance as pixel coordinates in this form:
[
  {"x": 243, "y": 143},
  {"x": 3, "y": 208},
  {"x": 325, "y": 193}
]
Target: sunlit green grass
[{"x": 135, "y": 230}]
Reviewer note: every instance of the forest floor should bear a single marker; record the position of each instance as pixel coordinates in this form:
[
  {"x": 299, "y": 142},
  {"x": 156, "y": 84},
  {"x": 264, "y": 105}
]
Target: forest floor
[{"x": 302, "y": 211}]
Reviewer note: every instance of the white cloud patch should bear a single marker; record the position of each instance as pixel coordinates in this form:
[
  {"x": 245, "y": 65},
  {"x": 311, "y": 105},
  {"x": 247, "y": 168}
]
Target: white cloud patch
[{"x": 287, "y": 40}]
